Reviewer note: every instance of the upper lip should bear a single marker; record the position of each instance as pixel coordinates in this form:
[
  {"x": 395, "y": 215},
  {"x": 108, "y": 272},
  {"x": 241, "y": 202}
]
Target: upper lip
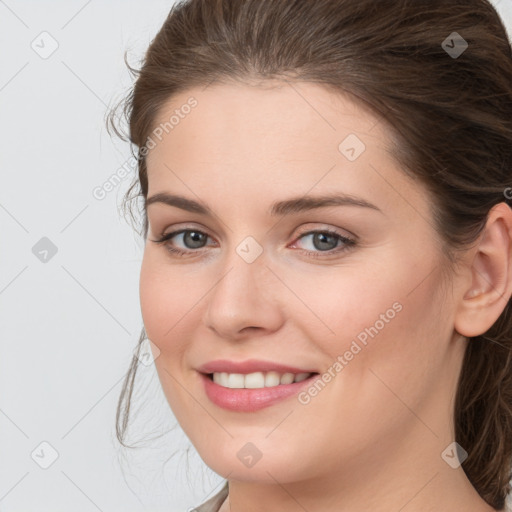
[{"x": 249, "y": 366}]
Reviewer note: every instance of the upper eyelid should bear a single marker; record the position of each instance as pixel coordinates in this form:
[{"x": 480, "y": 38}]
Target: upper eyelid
[
  {"x": 205, "y": 230},
  {"x": 345, "y": 232}
]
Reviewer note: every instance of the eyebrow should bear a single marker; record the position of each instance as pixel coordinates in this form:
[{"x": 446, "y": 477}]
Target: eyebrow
[{"x": 279, "y": 208}]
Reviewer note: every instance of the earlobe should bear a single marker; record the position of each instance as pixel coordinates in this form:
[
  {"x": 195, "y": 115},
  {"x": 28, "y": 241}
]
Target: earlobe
[{"x": 490, "y": 286}]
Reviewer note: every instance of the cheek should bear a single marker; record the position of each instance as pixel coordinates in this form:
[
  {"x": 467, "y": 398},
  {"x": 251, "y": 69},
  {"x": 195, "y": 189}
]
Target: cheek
[
  {"x": 391, "y": 335},
  {"x": 393, "y": 302},
  {"x": 152, "y": 299},
  {"x": 386, "y": 314},
  {"x": 164, "y": 307},
  {"x": 162, "y": 303}
]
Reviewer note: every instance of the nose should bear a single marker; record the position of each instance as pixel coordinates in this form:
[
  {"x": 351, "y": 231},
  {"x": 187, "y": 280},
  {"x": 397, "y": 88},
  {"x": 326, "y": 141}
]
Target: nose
[{"x": 245, "y": 298}]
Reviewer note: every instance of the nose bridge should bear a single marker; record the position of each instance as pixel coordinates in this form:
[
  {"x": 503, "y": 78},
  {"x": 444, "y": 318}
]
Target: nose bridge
[
  {"x": 242, "y": 274},
  {"x": 241, "y": 296},
  {"x": 245, "y": 255}
]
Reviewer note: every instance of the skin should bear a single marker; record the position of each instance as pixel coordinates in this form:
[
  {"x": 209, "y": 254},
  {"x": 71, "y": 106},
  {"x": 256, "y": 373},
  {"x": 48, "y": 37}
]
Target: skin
[{"x": 372, "y": 438}]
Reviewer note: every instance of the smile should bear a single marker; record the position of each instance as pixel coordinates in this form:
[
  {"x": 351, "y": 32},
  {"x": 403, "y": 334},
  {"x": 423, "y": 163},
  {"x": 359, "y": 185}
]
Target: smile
[{"x": 254, "y": 391}]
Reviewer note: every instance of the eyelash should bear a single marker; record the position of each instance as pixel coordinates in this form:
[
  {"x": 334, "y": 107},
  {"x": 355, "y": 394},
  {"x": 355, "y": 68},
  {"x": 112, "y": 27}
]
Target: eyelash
[{"x": 349, "y": 243}]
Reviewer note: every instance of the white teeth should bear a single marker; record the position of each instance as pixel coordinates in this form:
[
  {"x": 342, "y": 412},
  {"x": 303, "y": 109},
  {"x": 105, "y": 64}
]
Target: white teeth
[
  {"x": 257, "y": 379},
  {"x": 287, "y": 378},
  {"x": 272, "y": 379},
  {"x": 221, "y": 379},
  {"x": 235, "y": 380}
]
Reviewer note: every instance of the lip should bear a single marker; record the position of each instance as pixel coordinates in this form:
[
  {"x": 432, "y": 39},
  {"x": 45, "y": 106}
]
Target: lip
[
  {"x": 250, "y": 366},
  {"x": 251, "y": 400}
]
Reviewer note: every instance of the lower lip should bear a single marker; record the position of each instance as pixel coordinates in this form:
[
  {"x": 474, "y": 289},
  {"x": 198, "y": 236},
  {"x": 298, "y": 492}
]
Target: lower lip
[{"x": 249, "y": 400}]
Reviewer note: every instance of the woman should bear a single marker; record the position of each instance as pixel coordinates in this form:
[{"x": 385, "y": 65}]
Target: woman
[{"x": 327, "y": 274}]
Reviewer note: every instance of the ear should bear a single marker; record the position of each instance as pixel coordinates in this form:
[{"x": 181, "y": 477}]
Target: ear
[{"x": 489, "y": 286}]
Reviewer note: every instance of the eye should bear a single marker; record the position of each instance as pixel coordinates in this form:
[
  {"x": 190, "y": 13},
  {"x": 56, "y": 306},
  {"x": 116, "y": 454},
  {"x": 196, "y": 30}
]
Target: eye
[
  {"x": 324, "y": 241},
  {"x": 193, "y": 237}
]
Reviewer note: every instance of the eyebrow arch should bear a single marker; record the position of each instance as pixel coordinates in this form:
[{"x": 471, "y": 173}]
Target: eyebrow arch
[{"x": 279, "y": 208}]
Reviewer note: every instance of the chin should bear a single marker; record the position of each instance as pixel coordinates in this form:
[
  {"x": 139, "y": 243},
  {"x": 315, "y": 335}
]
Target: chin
[{"x": 241, "y": 460}]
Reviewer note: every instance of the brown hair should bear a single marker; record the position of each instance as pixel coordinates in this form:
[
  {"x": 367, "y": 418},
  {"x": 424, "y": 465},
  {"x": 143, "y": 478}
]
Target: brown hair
[{"x": 450, "y": 117}]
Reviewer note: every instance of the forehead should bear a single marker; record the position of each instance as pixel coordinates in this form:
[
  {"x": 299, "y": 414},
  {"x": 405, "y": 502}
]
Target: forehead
[
  {"x": 281, "y": 112},
  {"x": 272, "y": 137}
]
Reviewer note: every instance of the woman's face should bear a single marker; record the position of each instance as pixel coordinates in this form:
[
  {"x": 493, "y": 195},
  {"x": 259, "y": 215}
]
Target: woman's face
[{"x": 262, "y": 282}]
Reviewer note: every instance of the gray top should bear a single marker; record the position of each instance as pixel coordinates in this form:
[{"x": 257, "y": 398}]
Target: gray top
[{"x": 215, "y": 502}]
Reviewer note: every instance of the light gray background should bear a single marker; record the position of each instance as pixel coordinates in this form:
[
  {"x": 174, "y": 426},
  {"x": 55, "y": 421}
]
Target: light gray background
[{"x": 69, "y": 325}]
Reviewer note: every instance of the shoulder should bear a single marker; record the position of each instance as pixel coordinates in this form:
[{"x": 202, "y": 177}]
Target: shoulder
[{"x": 215, "y": 502}]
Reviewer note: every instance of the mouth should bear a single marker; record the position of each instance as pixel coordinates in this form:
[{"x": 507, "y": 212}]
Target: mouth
[{"x": 253, "y": 391}]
